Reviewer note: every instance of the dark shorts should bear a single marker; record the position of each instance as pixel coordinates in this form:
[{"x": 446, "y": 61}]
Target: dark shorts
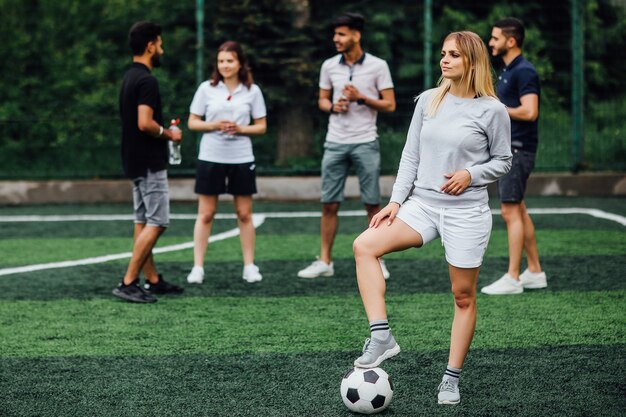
[
  {"x": 213, "y": 178},
  {"x": 512, "y": 186}
]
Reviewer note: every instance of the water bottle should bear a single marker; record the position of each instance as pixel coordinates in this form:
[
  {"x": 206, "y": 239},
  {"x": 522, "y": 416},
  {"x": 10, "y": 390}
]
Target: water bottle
[{"x": 175, "y": 155}]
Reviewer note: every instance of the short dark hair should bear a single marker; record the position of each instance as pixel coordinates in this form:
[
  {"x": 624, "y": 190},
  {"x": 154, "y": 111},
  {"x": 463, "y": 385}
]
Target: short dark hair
[
  {"x": 353, "y": 20},
  {"x": 245, "y": 74},
  {"x": 142, "y": 33},
  {"x": 512, "y": 28}
]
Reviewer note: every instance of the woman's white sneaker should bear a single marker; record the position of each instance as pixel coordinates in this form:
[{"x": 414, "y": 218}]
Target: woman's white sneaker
[
  {"x": 196, "y": 276},
  {"x": 251, "y": 273}
]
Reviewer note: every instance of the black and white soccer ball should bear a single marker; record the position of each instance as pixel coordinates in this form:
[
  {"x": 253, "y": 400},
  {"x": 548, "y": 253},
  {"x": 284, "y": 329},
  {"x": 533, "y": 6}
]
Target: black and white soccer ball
[{"x": 366, "y": 391}]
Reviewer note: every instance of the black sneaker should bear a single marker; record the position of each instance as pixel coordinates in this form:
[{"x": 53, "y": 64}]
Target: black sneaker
[
  {"x": 133, "y": 293},
  {"x": 162, "y": 287}
]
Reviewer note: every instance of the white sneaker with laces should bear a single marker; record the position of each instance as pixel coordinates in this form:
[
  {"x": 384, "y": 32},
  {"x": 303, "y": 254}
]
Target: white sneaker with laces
[
  {"x": 386, "y": 273},
  {"x": 533, "y": 280},
  {"x": 196, "y": 276},
  {"x": 251, "y": 273},
  {"x": 317, "y": 269},
  {"x": 504, "y": 286}
]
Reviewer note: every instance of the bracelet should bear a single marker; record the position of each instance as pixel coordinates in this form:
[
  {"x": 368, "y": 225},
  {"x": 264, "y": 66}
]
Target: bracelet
[
  {"x": 332, "y": 110},
  {"x": 160, "y": 131}
]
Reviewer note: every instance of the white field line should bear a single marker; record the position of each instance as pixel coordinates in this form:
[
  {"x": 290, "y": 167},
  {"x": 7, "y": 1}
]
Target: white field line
[
  {"x": 294, "y": 214},
  {"x": 257, "y": 220}
]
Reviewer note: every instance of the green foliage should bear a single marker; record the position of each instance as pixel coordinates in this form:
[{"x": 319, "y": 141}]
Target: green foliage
[{"x": 63, "y": 62}]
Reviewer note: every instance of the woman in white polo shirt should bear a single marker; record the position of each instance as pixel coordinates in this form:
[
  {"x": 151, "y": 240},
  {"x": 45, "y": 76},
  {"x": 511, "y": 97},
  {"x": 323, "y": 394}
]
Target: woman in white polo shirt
[{"x": 229, "y": 109}]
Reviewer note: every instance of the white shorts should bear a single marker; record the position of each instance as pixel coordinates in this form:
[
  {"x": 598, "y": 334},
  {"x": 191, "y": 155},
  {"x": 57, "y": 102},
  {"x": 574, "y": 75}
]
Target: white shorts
[{"x": 464, "y": 232}]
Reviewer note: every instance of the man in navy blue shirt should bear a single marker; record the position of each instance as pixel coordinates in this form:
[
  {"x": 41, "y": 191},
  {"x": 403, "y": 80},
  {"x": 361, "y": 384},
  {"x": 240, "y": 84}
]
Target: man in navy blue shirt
[{"x": 518, "y": 88}]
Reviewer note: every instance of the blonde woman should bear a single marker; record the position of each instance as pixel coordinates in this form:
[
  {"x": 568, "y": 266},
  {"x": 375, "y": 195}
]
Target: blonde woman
[{"x": 459, "y": 141}]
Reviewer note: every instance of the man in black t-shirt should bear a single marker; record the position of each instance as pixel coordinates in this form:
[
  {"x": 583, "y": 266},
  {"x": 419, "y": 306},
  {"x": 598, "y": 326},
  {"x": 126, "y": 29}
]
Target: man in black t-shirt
[
  {"x": 518, "y": 89},
  {"x": 144, "y": 160}
]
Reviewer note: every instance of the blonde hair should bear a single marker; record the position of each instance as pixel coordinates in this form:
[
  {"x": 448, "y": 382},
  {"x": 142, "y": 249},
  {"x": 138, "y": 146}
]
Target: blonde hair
[{"x": 477, "y": 74}]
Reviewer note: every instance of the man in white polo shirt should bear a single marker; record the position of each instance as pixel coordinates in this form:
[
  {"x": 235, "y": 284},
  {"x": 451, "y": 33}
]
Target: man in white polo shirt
[{"x": 354, "y": 87}]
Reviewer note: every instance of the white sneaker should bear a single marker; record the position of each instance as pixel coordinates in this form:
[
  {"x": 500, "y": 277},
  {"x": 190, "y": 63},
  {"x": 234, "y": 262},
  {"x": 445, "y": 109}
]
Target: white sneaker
[
  {"x": 533, "y": 280},
  {"x": 317, "y": 269},
  {"x": 196, "y": 276},
  {"x": 386, "y": 273},
  {"x": 251, "y": 273},
  {"x": 505, "y": 285}
]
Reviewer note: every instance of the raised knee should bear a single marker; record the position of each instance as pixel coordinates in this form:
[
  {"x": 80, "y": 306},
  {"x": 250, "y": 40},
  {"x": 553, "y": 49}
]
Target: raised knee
[{"x": 362, "y": 247}]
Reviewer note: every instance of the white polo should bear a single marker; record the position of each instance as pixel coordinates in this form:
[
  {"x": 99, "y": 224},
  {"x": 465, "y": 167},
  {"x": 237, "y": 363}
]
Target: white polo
[
  {"x": 217, "y": 103},
  {"x": 370, "y": 75}
]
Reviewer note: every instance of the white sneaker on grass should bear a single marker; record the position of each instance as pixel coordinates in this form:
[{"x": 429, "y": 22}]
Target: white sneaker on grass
[
  {"x": 251, "y": 273},
  {"x": 533, "y": 280},
  {"x": 386, "y": 273},
  {"x": 504, "y": 286},
  {"x": 317, "y": 269},
  {"x": 196, "y": 276},
  {"x": 448, "y": 392}
]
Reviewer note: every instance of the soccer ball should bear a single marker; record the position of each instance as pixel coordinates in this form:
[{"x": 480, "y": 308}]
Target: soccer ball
[{"x": 366, "y": 391}]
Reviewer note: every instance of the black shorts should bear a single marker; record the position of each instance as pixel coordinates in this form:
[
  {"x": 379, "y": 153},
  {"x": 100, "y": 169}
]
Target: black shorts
[
  {"x": 213, "y": 178},
  {"x": 512, "y": 186}
]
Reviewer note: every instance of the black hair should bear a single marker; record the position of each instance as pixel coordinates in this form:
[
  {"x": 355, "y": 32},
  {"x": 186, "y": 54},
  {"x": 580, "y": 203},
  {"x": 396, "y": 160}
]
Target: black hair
[
  {"x": 142, "y": 33},
  {"x": 512, "y": 28},
  {"x": 352, "y": 20}
]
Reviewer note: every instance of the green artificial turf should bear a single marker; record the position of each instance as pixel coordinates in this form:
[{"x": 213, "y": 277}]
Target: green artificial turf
[
  {"x": 546, "y": 381},
  {"x": 279, "y": 347},
  {"x": 190, "y": 325}
]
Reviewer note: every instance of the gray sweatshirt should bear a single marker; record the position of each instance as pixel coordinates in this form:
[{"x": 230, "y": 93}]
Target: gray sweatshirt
[{"x": 472, "y": 134}]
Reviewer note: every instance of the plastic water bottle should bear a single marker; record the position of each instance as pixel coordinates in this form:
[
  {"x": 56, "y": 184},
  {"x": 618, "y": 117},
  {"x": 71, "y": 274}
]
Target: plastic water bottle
[{"x": 175, "y": 155}]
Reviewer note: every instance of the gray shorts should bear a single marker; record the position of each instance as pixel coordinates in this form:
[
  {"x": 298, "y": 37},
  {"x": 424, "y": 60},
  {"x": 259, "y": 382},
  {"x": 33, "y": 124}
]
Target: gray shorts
[
  {"x": 464, "y": 232},
  {"x": 337, "y": 160},
  {"x": 512, "y": 186},
  {"x": 151, "y": 200}
]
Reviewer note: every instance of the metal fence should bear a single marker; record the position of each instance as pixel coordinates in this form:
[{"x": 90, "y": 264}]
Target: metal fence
[{"x": 576, "y": 133}]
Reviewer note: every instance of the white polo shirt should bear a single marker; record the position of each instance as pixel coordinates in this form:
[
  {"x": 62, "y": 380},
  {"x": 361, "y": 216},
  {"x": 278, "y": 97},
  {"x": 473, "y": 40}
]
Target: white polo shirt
[
  {"x": 369, "y": 75},
  {"x": 217, "y": 103}
]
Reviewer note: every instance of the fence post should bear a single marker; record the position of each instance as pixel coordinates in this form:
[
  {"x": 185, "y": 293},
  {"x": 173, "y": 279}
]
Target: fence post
[
  {"x": 578, "y": 79},
  {"x": 427, "y": 46}
]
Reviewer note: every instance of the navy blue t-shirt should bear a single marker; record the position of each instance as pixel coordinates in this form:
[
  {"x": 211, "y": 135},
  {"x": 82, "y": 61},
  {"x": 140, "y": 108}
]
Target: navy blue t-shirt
[
  {"x": 516, "y": 80},
  {"x": 140, "y": 151}
]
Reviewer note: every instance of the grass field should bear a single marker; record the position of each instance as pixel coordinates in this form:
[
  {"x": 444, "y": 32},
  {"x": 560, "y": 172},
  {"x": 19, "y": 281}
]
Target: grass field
[{"x": 280, "y": 347}]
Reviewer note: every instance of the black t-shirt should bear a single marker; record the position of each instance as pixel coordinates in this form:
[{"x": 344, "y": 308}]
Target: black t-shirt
[
  {"x": 516, "y": 80},
  {"x": 140, "y": 151}
]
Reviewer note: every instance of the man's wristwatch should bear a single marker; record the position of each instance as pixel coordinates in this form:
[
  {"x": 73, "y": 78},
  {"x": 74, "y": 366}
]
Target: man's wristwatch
[{"x": 360, "y": 101}]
